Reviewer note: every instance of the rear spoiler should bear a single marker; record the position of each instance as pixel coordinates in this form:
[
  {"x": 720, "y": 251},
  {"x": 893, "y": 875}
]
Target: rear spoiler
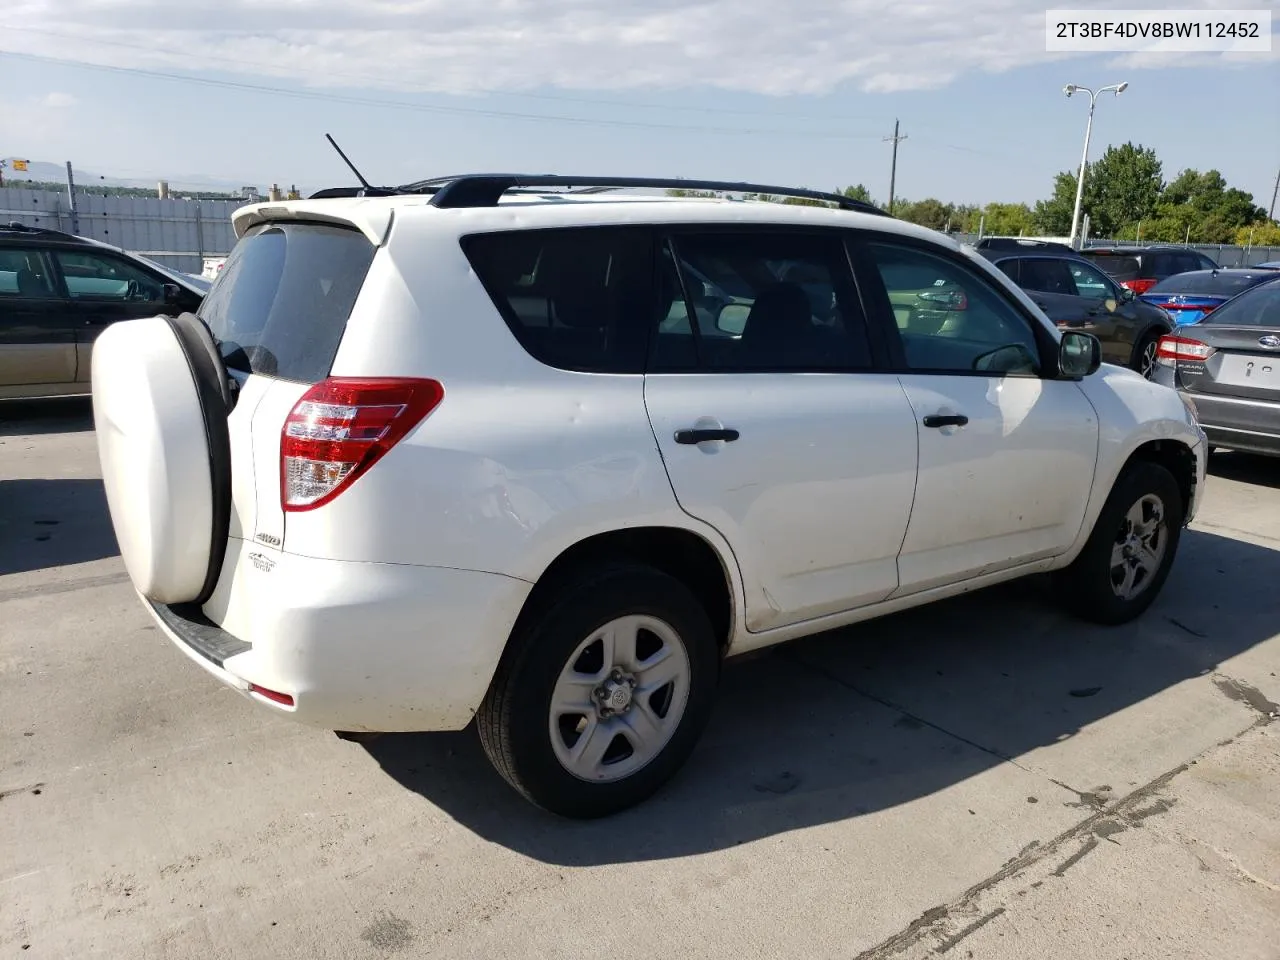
[{"x": 371, "y": 218}]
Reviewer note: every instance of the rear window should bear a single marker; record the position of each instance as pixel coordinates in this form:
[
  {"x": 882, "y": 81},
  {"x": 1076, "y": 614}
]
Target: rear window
[
  {"x": 577, "y": 299},
  {"x": 281, "y": 303},
  {"x": 1117, "y": 265},
  {"x": 1260, "y": 307},
  {"x": 1221, "y": 285}
]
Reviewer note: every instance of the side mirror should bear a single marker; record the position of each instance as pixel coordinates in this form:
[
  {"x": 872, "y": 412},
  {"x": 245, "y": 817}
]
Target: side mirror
[
  {"x": 732, "y": 318},
  {"x": 1126, "y": 295},
  {"x": 172, "y": 293},
  {"x": 1079, "y": 354}
]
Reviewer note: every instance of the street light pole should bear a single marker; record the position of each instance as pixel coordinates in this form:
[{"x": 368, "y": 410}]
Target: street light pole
[{"x": 1069, "y": 89}]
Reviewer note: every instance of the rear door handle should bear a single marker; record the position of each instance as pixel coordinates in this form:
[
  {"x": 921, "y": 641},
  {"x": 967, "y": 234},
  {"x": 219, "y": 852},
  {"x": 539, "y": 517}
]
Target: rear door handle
[
  {"x": 946, "y": 420},
  {"x": 703, "y": 434}
]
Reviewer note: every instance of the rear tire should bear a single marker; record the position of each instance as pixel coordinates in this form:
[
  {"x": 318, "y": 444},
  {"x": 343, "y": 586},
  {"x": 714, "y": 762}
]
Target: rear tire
[
  {"x": 1130, "y": 552},
  {"x": 570, "y": 719}
]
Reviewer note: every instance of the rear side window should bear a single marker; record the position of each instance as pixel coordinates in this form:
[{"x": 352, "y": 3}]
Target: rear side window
[
  {"x": 1047, "y": 276},
  {"x": 1118, "y": 266},
  {"x": 577, "y": 298},
  {"x": 281, "y": 303}
]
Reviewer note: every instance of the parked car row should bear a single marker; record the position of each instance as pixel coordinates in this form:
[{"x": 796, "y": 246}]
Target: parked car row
[{"x": 59, "y": 292}]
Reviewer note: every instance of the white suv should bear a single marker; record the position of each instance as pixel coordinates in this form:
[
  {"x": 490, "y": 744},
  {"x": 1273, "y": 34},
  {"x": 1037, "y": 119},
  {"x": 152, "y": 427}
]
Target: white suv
[{"x": 544, "y": 458}]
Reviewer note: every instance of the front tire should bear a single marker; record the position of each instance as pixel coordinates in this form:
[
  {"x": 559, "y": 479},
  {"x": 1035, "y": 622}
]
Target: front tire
[
  {"x": 603, "y": 692},
  {"x": 1130, "y": 552},
  {"x": 1144, "y": 355}
]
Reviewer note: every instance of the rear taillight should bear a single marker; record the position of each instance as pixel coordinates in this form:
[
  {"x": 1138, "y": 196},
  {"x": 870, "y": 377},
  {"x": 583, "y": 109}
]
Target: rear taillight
[
  {"x": 1138, "y": 286},
  {"x": 1171, "y": 349},
  {"x": 343, "y": 426}
]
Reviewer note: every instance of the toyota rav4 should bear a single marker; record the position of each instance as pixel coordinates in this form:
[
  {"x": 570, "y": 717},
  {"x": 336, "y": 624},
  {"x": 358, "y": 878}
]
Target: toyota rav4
[{"x": 506, "y": 451}]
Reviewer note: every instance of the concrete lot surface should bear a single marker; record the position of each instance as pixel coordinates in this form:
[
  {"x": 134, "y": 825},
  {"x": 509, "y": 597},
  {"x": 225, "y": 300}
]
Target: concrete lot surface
[{"x": 981, "y": 779}]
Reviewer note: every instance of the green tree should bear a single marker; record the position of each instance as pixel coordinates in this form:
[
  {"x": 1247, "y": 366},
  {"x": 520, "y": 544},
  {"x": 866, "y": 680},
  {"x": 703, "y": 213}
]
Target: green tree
[
  {"x": 1008, "y": 219},
  {"x": 1260, "y": 235},
  {"x": 1053, "y": 216},
  {"x": 930, "y": 212},
  {"x": 1120, "y": 188},
  {"x": 857, "y": 192},
  {"x": 1207, "y": 198},
  {"x": 1127, "y": 181}
]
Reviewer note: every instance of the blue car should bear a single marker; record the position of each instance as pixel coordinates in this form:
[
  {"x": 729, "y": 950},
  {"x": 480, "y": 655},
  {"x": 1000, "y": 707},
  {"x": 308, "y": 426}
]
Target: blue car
[{"x": 1190, "y": 297}]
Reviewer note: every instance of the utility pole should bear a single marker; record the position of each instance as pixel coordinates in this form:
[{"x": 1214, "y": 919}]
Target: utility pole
[
  {"x": 71, "y": 196},
  {"x": 893, "y": 170},
  {"x": 1271, "y": 214}
]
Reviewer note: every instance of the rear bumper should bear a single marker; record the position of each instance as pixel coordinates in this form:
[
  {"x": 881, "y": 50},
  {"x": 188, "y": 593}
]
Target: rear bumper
[
  {"x": 1239, "y": 423},
  {"x": 357, "y": 646}
]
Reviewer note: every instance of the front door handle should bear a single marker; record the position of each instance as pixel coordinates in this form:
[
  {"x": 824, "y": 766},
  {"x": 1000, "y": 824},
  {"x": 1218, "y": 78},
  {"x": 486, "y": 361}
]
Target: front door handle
[
  {"x": 946, "y": 420},
  {"x": 703, "y": 434}
]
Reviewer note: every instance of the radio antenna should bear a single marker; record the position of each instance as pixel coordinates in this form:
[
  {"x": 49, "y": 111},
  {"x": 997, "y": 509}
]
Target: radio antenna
[{"x": 347, "y": 160}]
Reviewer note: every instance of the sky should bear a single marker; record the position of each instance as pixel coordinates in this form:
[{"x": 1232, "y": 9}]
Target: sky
[{"x": 800, "y": 94}]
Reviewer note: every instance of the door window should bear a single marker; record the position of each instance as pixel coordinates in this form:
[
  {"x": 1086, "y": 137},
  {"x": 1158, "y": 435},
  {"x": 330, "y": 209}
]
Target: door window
[
  {"x": 756, "y": 302},
  {"x": 24, "y": 274},
  {"x": 1089, "y": 281},
  {"x": 950, "y": 319},
  {"x": 97, "y": 276}
]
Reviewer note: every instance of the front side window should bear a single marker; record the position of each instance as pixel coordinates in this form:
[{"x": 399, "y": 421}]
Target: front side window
[
  {"x": 1089, "y": 281},
  {"x": 951, "y": 319},
  {"x": 577, "y": 298},
  {"x": 99, "y": 276},
  {"x": 762, "y": 301}
]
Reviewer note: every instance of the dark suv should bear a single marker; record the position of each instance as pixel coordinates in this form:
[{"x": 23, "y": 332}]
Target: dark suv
[
  {"x": 1141, "y": 268},
  {"x": 58, "y": 292},
  {"x": 1076, "y": 295}
]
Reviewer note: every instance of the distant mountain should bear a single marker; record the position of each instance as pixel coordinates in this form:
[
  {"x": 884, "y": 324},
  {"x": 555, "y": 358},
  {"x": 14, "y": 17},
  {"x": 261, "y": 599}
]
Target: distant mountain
[{"x": 57, "y": 173}]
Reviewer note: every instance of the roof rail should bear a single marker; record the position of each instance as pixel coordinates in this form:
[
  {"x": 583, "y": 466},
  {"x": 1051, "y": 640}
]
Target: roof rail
[{"x": 486, "y": 189}]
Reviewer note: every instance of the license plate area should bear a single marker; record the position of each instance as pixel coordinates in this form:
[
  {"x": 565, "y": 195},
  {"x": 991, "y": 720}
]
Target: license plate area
[{"x": 1250, "y": 370}]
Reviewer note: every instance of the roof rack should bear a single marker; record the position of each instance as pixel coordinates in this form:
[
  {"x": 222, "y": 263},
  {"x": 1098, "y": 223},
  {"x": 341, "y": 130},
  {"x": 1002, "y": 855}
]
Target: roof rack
[
  {"x": 17, "y": 226},
  {"x": 1019, "y": 243},
  {"x": 486, "y": 189}
]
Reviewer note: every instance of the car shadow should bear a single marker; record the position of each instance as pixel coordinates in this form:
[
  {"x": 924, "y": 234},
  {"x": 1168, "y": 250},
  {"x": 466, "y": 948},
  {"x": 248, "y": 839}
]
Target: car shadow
[
  {"x": 869, "y": 717},
  {"x": 51, "y": 523},
  {"x": 1246, "y": 468},
  {"x": 39, "y": 417}
]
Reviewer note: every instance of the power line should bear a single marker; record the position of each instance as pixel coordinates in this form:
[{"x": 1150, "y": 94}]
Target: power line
[
  {"x": 376, "y": 79},
  {"x": 430, "y": 108}
]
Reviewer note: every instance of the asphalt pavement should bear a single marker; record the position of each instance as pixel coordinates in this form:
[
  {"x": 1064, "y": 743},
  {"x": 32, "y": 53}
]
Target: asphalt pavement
[{"x": 982, "y": 778}]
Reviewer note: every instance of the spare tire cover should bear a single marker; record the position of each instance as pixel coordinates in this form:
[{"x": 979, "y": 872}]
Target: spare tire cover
[{"x": 160, "y": 404}]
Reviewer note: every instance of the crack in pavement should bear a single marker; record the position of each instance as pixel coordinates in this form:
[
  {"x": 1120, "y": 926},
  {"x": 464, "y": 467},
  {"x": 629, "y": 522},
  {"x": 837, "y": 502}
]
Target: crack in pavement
[
  {"x": 1090, "y": 826},
  {"x": 1129, "y": 811}
]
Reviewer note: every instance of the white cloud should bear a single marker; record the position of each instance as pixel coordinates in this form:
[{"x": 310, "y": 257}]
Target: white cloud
[
  {"x": 473, "y": 46},
  {"x": 57, "y": 101}
]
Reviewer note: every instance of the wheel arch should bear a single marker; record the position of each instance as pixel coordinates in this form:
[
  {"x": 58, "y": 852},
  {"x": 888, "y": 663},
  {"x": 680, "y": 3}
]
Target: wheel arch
[{"x": 706, "y": 568}]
